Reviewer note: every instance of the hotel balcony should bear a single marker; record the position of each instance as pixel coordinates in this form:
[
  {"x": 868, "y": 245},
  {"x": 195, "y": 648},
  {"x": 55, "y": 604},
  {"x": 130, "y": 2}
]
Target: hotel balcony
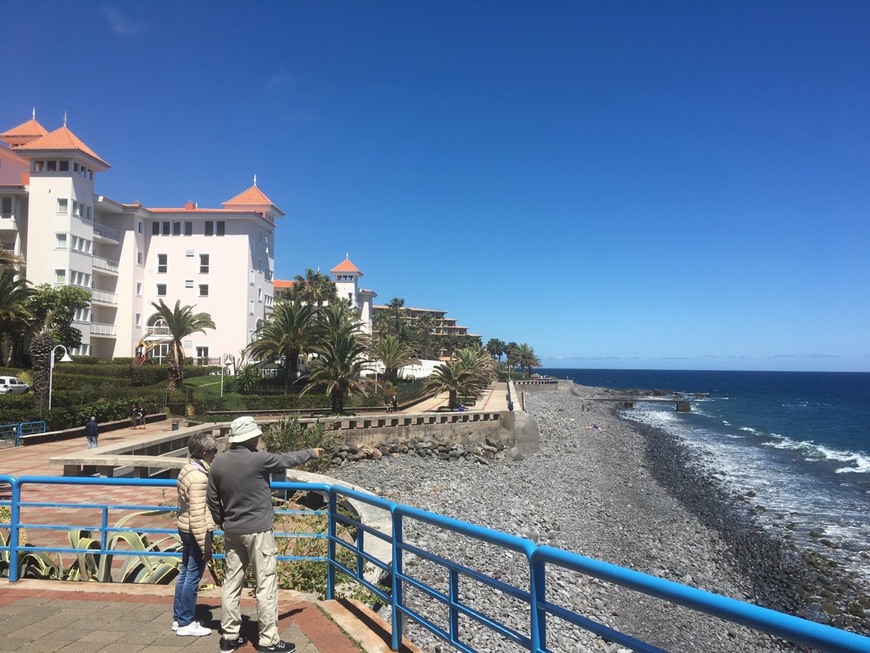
[
  {"x": 103, "y": 297},
  {"x": 103, "y": 232},
  {"x": 103, "y": 330},
  {"x": 105, "y": 265}
]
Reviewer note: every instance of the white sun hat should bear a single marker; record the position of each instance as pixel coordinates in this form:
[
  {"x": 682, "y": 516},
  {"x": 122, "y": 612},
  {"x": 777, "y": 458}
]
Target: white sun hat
[{"x": 243, "y": 428}]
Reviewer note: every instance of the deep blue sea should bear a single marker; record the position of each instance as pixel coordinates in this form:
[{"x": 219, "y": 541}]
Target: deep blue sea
[{"x": 799, "y": 440}]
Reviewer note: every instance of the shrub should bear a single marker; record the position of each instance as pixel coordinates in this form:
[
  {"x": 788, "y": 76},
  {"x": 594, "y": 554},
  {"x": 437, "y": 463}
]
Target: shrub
[{"x": 290, "y": 435}]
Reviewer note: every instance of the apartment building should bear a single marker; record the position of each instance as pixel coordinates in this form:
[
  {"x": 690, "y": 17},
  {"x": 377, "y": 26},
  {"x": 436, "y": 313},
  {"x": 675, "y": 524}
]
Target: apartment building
[{"x": 220, "y": 260}]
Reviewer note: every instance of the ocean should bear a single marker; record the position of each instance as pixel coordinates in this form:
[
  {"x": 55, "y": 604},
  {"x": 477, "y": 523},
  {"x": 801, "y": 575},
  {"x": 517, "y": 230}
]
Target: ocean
[{"x": 796, "y": 443}]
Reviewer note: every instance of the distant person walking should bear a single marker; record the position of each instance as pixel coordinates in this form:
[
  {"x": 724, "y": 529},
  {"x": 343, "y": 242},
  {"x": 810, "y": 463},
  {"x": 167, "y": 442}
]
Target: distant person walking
[
  {"x": 134, "y": 415},
  {"x": 140, "y": 415},
  {"x": 195, "y": 528},
  {"x": 92, "y": 432},
  {"x": 240, "y": 502}
]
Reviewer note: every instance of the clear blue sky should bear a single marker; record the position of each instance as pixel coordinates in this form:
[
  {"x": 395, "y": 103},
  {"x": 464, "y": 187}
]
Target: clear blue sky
[{"x": 618, "y": 184}]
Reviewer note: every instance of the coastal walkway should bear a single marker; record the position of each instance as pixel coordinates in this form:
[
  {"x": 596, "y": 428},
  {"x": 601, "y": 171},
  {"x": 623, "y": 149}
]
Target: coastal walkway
[{"x": 40, "y": 616}]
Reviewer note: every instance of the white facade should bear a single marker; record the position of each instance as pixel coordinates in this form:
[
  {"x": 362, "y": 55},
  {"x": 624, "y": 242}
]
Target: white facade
[{"x": 219, "y": 260}]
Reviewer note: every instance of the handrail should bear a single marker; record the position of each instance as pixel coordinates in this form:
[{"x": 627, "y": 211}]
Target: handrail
[{"x": 537, "y": 560}]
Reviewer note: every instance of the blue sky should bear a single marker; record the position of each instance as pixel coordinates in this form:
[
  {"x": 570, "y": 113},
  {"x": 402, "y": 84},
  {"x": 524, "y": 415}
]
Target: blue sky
[{"x": 675, "y": 185}]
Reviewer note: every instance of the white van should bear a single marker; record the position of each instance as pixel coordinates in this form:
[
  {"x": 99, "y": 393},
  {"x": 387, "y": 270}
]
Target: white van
[{"x": 13, "y": 385}]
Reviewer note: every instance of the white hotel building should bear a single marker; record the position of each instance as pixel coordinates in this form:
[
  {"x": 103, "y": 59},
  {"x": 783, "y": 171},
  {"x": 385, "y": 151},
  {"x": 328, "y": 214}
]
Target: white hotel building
[{"x": 220, "y": 260}]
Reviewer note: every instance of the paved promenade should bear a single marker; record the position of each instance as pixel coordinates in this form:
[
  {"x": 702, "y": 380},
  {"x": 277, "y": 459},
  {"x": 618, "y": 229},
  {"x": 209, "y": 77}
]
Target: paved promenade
[{"x": 42, "y": 616}]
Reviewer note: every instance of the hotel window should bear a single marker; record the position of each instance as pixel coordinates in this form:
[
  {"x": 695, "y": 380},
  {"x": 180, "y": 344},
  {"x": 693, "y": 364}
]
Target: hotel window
[
  {"x": 203, "y": 263},
  {"x": 189, "y": 253},
  {"x": 209, "y": 228},
  {"x": 220, "y": 227},
  {"x": 38, "y": 166},
  {"x": 51, "y": 166},
  {"x": 75, "y": 210},
  {"x": 203, "y": 290},
  {"x": 64, "y": 166},
  {"x": 176, "y": 228},
  {"x": 60, "y": 241},
  {"x": 140, "y": 227},
  {"x": 60, "y": 276},
  {"x": 138, "y": 319},
  {"x": 138, "y": 289},
  {"x": 250, "y": 307},
  {"x": 140, "y": 258},
  {"x": 162, "y": 263},
  {"x": 155, "y": 228},
  {"x": 6, "y": 207},
  {"x": 75, "y": 167},
  {"x": 202, "y": 355},
  {"x": 188, "y": 228},
  {"x": 260, "y": 295},
  {"x": 161, "y": 290},
  {"x": 166, "y": 228},
  {"x": 62, "y": 205},
  {"x": 188, "y": 283}
]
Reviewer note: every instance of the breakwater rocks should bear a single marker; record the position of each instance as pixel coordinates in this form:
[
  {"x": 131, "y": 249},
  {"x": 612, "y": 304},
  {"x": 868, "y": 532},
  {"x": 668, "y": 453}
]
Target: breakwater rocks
[
  {"x": 591, "y": 489},
  {"x": 491, "y": 450}
]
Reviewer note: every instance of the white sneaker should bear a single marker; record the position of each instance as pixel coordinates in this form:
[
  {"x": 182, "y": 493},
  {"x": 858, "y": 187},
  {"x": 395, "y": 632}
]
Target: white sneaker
[
  {"x": 193, "y": 629},
  {"x": 174, "y": 626}
]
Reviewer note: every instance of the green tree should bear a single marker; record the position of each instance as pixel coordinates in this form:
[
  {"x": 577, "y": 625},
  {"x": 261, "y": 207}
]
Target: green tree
[
  {"x": 496, "y": 348},
  {"x": 41, "y": 349},
  {"x": 393, "y": 353},
  {"x": 181, "y": 322},
  {"x": 15, "y": 313},
  {"x": 314, "y": 289},
  {"x": 468, "y": 372},
  {"x": 396, "y": 305},
  {"x": 523, "y": 356},
  {"x": 61, "y": 302},
  {"x": 287, "y": 336},
  {"x": 340, "y": 355}
]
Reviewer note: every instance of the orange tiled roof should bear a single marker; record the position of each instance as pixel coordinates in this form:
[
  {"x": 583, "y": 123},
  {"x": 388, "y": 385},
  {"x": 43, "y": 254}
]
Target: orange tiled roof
[
  {"x": 62, "y": 139},
  {"x": 253, "y": 195},
  {"x": 26, "y": 131},
  {"x": 346, "y": 266},
  {"x": 281, "y": 283}
]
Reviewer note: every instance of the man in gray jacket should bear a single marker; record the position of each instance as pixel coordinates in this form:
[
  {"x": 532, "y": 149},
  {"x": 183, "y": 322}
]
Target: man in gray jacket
[{"x": 240, "y": 501}]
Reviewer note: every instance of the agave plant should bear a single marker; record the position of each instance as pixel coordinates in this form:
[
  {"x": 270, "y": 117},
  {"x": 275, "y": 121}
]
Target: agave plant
[{"x": 141, "y": 568}]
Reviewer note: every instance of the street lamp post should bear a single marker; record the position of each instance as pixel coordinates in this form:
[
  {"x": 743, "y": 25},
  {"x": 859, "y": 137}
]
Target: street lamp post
[{"x": 64, "y": 359}]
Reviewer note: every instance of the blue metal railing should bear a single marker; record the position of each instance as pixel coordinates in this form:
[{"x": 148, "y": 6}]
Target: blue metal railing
[
  {"x": 10, "y": 431},
  {"x": 537, "y": 561}
]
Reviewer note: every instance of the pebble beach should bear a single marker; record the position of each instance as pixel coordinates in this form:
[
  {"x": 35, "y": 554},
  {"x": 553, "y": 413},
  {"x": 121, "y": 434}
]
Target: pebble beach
[{"x": 607, "y": 488}]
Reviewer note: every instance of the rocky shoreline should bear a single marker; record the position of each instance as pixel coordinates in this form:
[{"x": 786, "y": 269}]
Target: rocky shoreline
[{"x": 609, "y": 489}]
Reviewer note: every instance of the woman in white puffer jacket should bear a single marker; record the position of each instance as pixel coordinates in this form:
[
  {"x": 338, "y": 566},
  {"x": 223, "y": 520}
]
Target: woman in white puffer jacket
[{"x": 195, "y": 527}]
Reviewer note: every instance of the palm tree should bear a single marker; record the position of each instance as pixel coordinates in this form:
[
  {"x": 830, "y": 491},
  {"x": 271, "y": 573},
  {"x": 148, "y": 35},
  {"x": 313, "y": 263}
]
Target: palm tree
[
  {"x": 496, "y": 348},
  {"x": 468, "y": 372},
  {"x": 314, "y": 288},
  {"x": 41, "y": 348},
  {"x": 524, "y": 357},
  {"x": 181, "y": 322},
  {"x": 396, "y": 305},
  {"x": 340, "y": 355},
  {"x": 14, "y": 311},
  {"x": 393, "y": 353},
  {"x": 287, "y": 335}
]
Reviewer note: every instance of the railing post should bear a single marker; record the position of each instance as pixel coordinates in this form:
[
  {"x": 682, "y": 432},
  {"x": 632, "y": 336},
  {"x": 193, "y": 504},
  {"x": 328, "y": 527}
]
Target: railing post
[
  {"x": 104, "y": 526},
  {"x": 396, "y": 616},
  {"x": 538, "y": 587},
  {"x": 330, "y": 546},
  {"x": 15, "y": 517},
  {"x": 454, "y": 613}
]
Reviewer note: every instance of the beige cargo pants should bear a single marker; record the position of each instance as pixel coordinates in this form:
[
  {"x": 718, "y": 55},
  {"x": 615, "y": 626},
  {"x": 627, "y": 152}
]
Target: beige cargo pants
[{"x": 258, "y": 550}]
